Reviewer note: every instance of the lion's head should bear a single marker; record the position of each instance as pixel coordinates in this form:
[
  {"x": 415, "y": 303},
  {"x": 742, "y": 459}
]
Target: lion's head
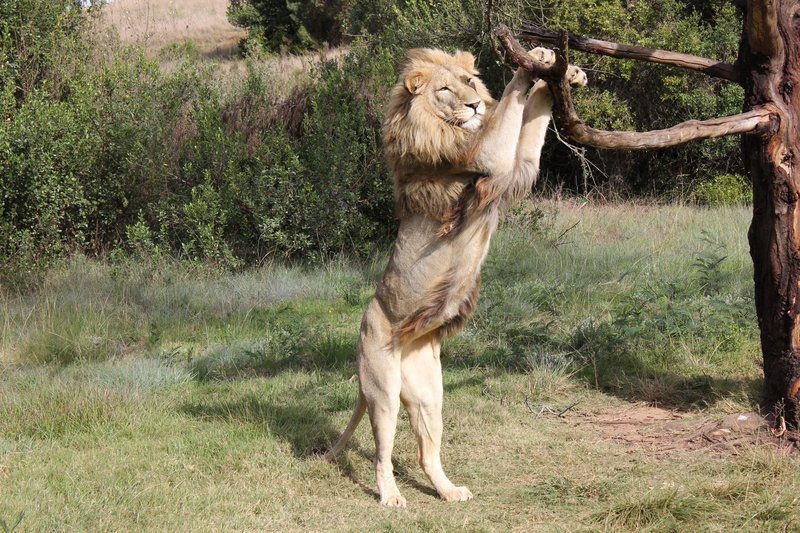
[{"x": 437, "y": 103}]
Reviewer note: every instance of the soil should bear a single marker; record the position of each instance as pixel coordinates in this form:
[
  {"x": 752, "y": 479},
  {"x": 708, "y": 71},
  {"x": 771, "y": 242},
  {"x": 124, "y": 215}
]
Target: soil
[{"x": 663, "y": 431}]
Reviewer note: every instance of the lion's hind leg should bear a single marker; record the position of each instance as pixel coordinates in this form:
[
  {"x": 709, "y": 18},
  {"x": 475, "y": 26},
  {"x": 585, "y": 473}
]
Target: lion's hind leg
[
  {"x": 379, "y": 379},
  {"x": 422, "y": 394}
]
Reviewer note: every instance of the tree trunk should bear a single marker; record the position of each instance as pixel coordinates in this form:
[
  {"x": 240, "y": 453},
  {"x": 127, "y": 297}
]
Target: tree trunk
[
  {"x": 769, "y": 70},
  {"x": 769, "y": 57}
]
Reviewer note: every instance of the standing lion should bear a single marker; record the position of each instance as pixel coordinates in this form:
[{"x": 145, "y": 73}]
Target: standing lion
[{"x": 458, "y": 159}]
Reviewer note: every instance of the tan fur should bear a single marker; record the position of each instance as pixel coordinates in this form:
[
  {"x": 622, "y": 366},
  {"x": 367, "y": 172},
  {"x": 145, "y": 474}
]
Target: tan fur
[
  {"x": 429, "y": 312},
  {"x": 465, "y": 311},
  {"x": 457, "y": 157},
  {"x": 418, "y": 144}
]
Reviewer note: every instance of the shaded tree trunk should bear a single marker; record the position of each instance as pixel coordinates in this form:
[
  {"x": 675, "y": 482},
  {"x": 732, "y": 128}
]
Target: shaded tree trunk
[{"x": 769, "y": 57}]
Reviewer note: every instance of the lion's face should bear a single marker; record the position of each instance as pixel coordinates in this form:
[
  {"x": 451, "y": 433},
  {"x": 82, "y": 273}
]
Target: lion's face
[
  {"x": 451, "y": 93},
  {"x": 435, "y": 108}
]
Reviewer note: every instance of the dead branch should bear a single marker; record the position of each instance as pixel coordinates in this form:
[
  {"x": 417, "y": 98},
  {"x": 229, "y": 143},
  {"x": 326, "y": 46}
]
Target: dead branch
[
  {"x": 578, "y": 131},
  {"x": 710, "y": 67}
]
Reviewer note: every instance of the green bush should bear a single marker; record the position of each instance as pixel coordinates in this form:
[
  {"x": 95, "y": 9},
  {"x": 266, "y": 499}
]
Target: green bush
[
  {"x": 321, "y": 192},
  {"x": 107, "y": 151},
  {"x": 280, "y": 24},
  {"x": 123, "y": 153},
  {"x": 341, "y": 152},
  {"x": 724, "y": 189}
]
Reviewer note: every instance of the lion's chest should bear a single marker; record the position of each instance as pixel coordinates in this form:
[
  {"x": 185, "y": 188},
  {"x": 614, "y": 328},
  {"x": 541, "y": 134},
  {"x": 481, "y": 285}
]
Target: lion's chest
[
  {"x": 429, "y": 192},
  {"x": 429, "y": 277}
]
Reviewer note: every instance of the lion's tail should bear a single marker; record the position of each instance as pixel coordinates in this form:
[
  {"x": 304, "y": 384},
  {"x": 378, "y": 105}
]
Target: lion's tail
[{"x": 358, "y": 414}]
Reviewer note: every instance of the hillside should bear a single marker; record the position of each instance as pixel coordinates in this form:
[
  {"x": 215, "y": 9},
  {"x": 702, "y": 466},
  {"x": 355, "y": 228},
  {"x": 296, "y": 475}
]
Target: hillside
[{"x": 159, "y": 23}]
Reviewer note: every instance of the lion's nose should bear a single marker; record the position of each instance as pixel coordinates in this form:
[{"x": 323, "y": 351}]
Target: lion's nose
[{"x": 474, "y": 105}]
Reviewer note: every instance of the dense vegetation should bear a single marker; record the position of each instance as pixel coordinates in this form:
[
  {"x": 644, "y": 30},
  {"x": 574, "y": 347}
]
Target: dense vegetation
[{"x": 102, "y": 149}]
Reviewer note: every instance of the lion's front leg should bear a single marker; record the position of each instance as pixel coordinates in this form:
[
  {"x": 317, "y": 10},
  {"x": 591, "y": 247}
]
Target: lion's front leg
[
  {"x": 535, "y": 120},
  {"x": 422, "y": 394},
  {"x": 495, "y": 151}
]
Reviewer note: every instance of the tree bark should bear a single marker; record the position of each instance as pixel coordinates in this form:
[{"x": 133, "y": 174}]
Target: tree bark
[{"x": 769, "y": 57}]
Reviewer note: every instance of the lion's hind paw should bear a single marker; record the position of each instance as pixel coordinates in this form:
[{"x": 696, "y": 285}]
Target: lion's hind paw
[
  {"x": 457, "y": 494},
  {"x": 395, "y": 500}
]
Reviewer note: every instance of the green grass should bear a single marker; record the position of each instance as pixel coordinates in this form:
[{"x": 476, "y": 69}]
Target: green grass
[{"x": 164, "y": 396}]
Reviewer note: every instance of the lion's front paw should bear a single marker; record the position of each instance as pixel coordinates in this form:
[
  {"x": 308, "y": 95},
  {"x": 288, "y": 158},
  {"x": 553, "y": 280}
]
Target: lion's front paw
[
  {"x": 576, "y": 77},
  {"x": 395, "y": 500},
  {"x": 457, "y": 494},
  {"x": 543, "y": 55}
]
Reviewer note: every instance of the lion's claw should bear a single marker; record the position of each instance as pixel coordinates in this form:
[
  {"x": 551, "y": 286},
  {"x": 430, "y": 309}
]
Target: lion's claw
[
  {"x": 576, "y": 76},
  {"x": 457, "y": 494},
  {"x": 543, "y": 55}
]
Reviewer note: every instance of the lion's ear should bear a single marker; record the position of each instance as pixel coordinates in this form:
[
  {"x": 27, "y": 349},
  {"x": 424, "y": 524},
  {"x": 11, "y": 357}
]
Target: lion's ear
[
  {"x": 415, "y": 81},
  {"x": 465, "y": 60}
]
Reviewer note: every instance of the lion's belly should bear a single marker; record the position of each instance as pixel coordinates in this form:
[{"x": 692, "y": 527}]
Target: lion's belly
[{"x": 429, "y": 278}]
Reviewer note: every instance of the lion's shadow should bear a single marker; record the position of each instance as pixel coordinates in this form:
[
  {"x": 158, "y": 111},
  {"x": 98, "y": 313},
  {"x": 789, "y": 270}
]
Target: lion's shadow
[
  {"x": 297, "y": 422},
  {"x": 300, "y": 422}
]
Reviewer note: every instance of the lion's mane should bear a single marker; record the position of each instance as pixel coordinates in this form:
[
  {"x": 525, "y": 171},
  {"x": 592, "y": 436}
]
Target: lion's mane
[{"x": 421, "y": 148}]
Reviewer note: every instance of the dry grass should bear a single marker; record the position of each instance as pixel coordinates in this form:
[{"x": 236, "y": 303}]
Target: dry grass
[
  {"x": 176, "y": 30},
  {"x": 158, "y": 23}
]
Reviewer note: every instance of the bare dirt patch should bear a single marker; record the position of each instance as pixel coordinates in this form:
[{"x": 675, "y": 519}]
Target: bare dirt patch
[{"x": 663, "y": 431}]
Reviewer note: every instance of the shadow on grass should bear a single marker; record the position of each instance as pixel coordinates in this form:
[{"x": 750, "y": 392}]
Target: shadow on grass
[
  {"x": 606, "y": 359},
  {"x": 292, "y": 419},
  {"x": 304, "y": 425},
  {"x": 673, "y": 391},
  {"x": 270, "y": 356},
  {"x": 631, "y": 378},
  {"x": 226, "y": 51}
]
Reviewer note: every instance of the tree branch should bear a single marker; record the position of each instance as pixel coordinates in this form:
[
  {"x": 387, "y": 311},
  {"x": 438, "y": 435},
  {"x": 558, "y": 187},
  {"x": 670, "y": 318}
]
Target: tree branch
[
  {"x": 578, "y": 131},
  {"x": 520, "y": 57},
  {"x": 684, "y": 132},
  {"x": 717, "y": 69}
]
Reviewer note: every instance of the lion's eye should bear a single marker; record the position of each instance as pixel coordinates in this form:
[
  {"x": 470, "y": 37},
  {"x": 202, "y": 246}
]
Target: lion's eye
[{"x": 444, "y": 89}]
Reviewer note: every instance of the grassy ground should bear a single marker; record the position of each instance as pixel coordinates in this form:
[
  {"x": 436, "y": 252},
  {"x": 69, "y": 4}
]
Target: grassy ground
[{"x": 161, "y": 396}]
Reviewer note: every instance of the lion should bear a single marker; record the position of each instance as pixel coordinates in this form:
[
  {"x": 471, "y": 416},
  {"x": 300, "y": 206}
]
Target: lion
[{"x": 459, "y": 159}]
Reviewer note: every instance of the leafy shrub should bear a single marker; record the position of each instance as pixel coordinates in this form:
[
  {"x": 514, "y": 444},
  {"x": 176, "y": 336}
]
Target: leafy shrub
[
  {"x": 273, "y": 190},
  {"x": 341, "y": 152},
  {"x": 723, "y": 189},
  {"x": 124, "y": 153},
  {"x": 204, "y": 219},
  {"x": 102, "y": 150},
  {"x": 141, "y": 241},
  {"x": 280, "y": 24},
  {"x": 47, "y": 159}
]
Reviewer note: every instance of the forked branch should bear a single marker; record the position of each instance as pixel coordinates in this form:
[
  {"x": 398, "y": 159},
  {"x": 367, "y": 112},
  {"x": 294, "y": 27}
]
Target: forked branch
[
  {"x": 711, "y": 67},
  {"x": 578, "y": 131}
]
